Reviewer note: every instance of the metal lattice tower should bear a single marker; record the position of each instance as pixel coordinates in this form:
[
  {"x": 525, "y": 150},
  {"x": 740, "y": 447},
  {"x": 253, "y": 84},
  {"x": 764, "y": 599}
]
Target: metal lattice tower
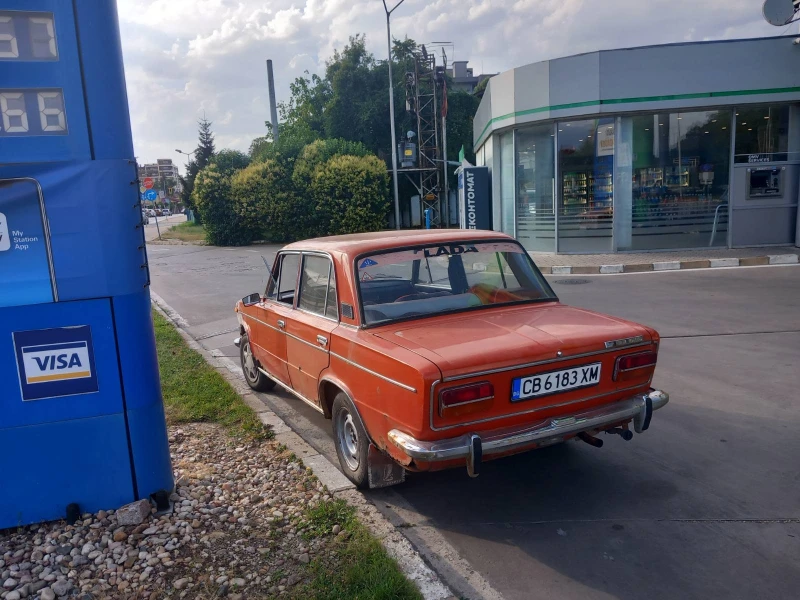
[{"x": 421, "y": 100}]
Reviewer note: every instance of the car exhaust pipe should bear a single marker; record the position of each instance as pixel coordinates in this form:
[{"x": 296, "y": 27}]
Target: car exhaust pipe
[
  {"x": 625, "y": 434},
  {"x": 592, "y": 441}
]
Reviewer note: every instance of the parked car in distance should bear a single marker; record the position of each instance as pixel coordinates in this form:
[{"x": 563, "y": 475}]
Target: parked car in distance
[
  {"x": 434, "y": 349},
  {"x": 151, "y": 212},
  {"x": 166, "y": 212}
]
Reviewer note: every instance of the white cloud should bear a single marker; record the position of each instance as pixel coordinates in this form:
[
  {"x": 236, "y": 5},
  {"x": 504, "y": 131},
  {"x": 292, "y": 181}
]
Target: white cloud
[{"x": 185, "y": 58}]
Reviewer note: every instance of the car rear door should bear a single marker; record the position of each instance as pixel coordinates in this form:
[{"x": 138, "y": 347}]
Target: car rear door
[{"x": 308, "y": 331}]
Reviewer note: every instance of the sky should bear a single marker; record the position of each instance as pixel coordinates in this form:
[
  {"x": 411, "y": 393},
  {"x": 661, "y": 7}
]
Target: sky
[{"x": 189, "y": 58}]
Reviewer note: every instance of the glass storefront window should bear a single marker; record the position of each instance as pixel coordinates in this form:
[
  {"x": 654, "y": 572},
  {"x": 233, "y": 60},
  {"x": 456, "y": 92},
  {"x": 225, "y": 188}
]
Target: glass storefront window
[
  {"x": 535, "y": 188},
  {"x": 586, "y": 173},
  {"x": 679, "y": 168},
  {"x": 762, "y": 134}
]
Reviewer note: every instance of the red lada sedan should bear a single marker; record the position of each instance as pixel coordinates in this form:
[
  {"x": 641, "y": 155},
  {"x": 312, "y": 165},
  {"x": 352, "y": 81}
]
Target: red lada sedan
[{"x": 436, "y": 349}]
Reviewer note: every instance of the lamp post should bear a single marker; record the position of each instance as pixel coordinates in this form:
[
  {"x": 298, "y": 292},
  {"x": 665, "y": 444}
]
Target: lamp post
[{"x": 391, "y": 113}]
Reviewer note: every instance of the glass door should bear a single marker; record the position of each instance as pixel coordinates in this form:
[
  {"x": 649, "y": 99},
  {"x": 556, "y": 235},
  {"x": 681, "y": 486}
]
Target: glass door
[
  {"x": 535, "y": 188},
  {"x": 586, "y": 173}
]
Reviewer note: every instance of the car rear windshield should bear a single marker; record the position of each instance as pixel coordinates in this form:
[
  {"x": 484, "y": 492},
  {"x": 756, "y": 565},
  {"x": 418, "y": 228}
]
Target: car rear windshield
[{"x": 439, "y": 279}]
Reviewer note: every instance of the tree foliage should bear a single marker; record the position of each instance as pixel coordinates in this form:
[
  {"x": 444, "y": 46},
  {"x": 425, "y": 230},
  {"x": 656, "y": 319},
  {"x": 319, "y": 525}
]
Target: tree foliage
[{"x": 326, "y": 173}]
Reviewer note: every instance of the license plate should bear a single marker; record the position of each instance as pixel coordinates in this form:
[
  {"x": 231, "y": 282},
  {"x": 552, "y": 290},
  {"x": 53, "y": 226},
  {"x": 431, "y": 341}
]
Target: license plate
[{"x": 554, "y": 382}]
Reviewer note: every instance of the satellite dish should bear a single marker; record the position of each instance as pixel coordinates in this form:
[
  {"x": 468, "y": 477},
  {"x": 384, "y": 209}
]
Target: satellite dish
[{"x": 778, "y": 12}]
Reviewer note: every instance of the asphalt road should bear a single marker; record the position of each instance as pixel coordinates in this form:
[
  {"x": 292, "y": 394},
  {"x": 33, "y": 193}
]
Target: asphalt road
[
  {"x": 161, "y": 223},
  {"x": 706, "y": 504}
]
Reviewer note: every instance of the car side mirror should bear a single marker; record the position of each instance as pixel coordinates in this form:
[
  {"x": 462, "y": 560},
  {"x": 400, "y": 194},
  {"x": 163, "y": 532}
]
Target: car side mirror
[{"x": 251, "y": 299}]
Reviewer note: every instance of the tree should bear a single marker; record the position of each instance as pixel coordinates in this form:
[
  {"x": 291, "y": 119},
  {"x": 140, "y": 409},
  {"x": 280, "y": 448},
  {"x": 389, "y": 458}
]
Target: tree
[
  {"x": 480, "y": 89},
  {"x": 202, "y": 156},
  {"x": 460, "y": 112},
  {"x": 205, "y": 149}
]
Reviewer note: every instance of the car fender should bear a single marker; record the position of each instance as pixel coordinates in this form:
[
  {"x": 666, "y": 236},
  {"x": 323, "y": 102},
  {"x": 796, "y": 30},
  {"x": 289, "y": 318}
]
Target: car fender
[{"x": 333, "y": 380}]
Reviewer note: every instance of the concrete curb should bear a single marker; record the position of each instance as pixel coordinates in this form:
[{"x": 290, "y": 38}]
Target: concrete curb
[
  {"x": 674, "y": 265},
  {"x": 396, "y": 544}
]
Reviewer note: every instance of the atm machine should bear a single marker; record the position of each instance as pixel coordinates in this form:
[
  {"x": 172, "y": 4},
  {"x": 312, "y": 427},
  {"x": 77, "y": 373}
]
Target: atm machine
[{"x": 81, "y": 415}]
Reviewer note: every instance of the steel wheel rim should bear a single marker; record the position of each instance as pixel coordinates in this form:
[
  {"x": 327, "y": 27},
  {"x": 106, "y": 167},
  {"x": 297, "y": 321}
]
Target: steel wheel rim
[
  {"x": 347, "y": 436},
  {"x": 248, "y": 364}
]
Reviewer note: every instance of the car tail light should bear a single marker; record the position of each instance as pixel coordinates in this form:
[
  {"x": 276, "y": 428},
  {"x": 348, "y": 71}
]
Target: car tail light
[
  {"x": 632, "y": 362},
  {"x": 467, "y": 394}
]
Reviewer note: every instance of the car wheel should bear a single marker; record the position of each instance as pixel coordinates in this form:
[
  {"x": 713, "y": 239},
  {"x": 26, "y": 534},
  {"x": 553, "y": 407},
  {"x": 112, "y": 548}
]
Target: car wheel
[
  {"x": 255, "y": 378},
  {"x": 350, "y": 439}
]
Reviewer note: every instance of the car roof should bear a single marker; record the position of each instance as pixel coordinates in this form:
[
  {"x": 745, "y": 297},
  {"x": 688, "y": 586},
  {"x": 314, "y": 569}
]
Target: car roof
[{"x": 360, "y": 243}]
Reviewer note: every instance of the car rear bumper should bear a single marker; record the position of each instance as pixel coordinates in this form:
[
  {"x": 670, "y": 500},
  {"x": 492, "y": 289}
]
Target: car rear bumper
[{"x": 639, "y": 408}]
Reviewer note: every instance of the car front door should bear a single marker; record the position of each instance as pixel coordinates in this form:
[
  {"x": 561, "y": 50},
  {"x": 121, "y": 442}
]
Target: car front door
[
  {"x": 274, "y": 312},
  {"x": 308, "y": 332}
]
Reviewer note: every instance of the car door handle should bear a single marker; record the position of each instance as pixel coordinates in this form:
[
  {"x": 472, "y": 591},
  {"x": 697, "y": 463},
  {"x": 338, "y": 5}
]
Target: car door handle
[
  {"x": 323, "y": 341},
  {"x": 281, "y": 323}
]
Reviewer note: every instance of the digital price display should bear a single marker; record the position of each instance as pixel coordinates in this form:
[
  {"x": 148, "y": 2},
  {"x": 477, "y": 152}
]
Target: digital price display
[
  {"x": 27, "y": 36},
  {"x": 30, "y": 36},
  {"x": 32, "y": 112}
]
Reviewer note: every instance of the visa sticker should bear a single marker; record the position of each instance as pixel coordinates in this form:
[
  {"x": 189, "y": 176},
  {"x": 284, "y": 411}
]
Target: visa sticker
[
  {"x": 53, "y": 363},
  {"x": 368, "y": 262}
]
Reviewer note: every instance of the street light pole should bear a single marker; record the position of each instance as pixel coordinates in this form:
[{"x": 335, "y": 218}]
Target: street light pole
[{"x": 391, "y": 113}]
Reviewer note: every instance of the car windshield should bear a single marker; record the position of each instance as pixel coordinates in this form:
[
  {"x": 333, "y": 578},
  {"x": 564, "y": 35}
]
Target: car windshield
[{"x": 438, "y": 279}]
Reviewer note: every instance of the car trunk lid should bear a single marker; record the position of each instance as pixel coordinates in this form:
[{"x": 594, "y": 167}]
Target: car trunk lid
[{"x": 501, "y": 338}]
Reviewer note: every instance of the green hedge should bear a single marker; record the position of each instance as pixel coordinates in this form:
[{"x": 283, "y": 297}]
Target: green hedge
[
  {"x": 351, "y": 194},
  {"x": 212, "y": 196},
  {"x": 332, "y": 187}
]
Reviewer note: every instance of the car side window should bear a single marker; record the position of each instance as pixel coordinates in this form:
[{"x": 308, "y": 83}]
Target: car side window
[
  {"x": 287, "y": 278},
  {"x": 331, "y": 301},
  {"x": 315, "y": 282}
]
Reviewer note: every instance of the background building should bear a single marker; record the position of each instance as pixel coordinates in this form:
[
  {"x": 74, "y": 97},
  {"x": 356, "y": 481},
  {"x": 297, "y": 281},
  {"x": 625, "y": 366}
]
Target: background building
[
  {"x": 166, "y": 177},
  {"x": 463, "y": 78},
  {"x": 675, "y": 146}
]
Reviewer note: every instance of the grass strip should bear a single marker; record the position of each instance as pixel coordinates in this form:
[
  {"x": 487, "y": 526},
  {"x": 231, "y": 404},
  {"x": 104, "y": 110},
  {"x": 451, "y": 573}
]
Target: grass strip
[
  {"x": 194, "y": 392},
  {"x": 185, "y": 232},
  {"x": 356, "y": 566}
]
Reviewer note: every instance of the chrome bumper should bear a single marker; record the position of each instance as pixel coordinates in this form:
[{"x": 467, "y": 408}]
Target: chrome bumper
[{"x": 639, "y": 408}]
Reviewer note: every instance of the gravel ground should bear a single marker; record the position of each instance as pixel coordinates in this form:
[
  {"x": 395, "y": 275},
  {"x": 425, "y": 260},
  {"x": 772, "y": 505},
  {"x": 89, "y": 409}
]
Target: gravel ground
[{"x": 235, "y": 532}]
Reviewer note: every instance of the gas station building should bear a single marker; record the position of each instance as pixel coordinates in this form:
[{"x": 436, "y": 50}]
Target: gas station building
[{"x": 691, "y": 145}]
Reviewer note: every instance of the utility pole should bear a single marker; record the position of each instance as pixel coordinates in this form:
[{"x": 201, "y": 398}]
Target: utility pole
[
  {"x": 391, "y": 113},
  {"x": 273, "y": 106},
  {"x": 445, "y": 221}
]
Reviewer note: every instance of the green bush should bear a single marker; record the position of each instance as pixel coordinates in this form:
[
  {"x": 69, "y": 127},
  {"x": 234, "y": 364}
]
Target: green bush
[
  {"x": 351, "y": 195},
  {"x": 229, "y": 161},
  {"x": 318, "y": 153},
  {"x": 266, "y": 203},
  {"x": 212, "y": 196}
]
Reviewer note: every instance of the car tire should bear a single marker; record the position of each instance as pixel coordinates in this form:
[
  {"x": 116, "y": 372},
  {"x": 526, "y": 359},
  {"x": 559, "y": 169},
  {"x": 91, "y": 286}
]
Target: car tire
[
  {"x": 351, "y": 441},
  {"x": 254, "y": 378}
]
